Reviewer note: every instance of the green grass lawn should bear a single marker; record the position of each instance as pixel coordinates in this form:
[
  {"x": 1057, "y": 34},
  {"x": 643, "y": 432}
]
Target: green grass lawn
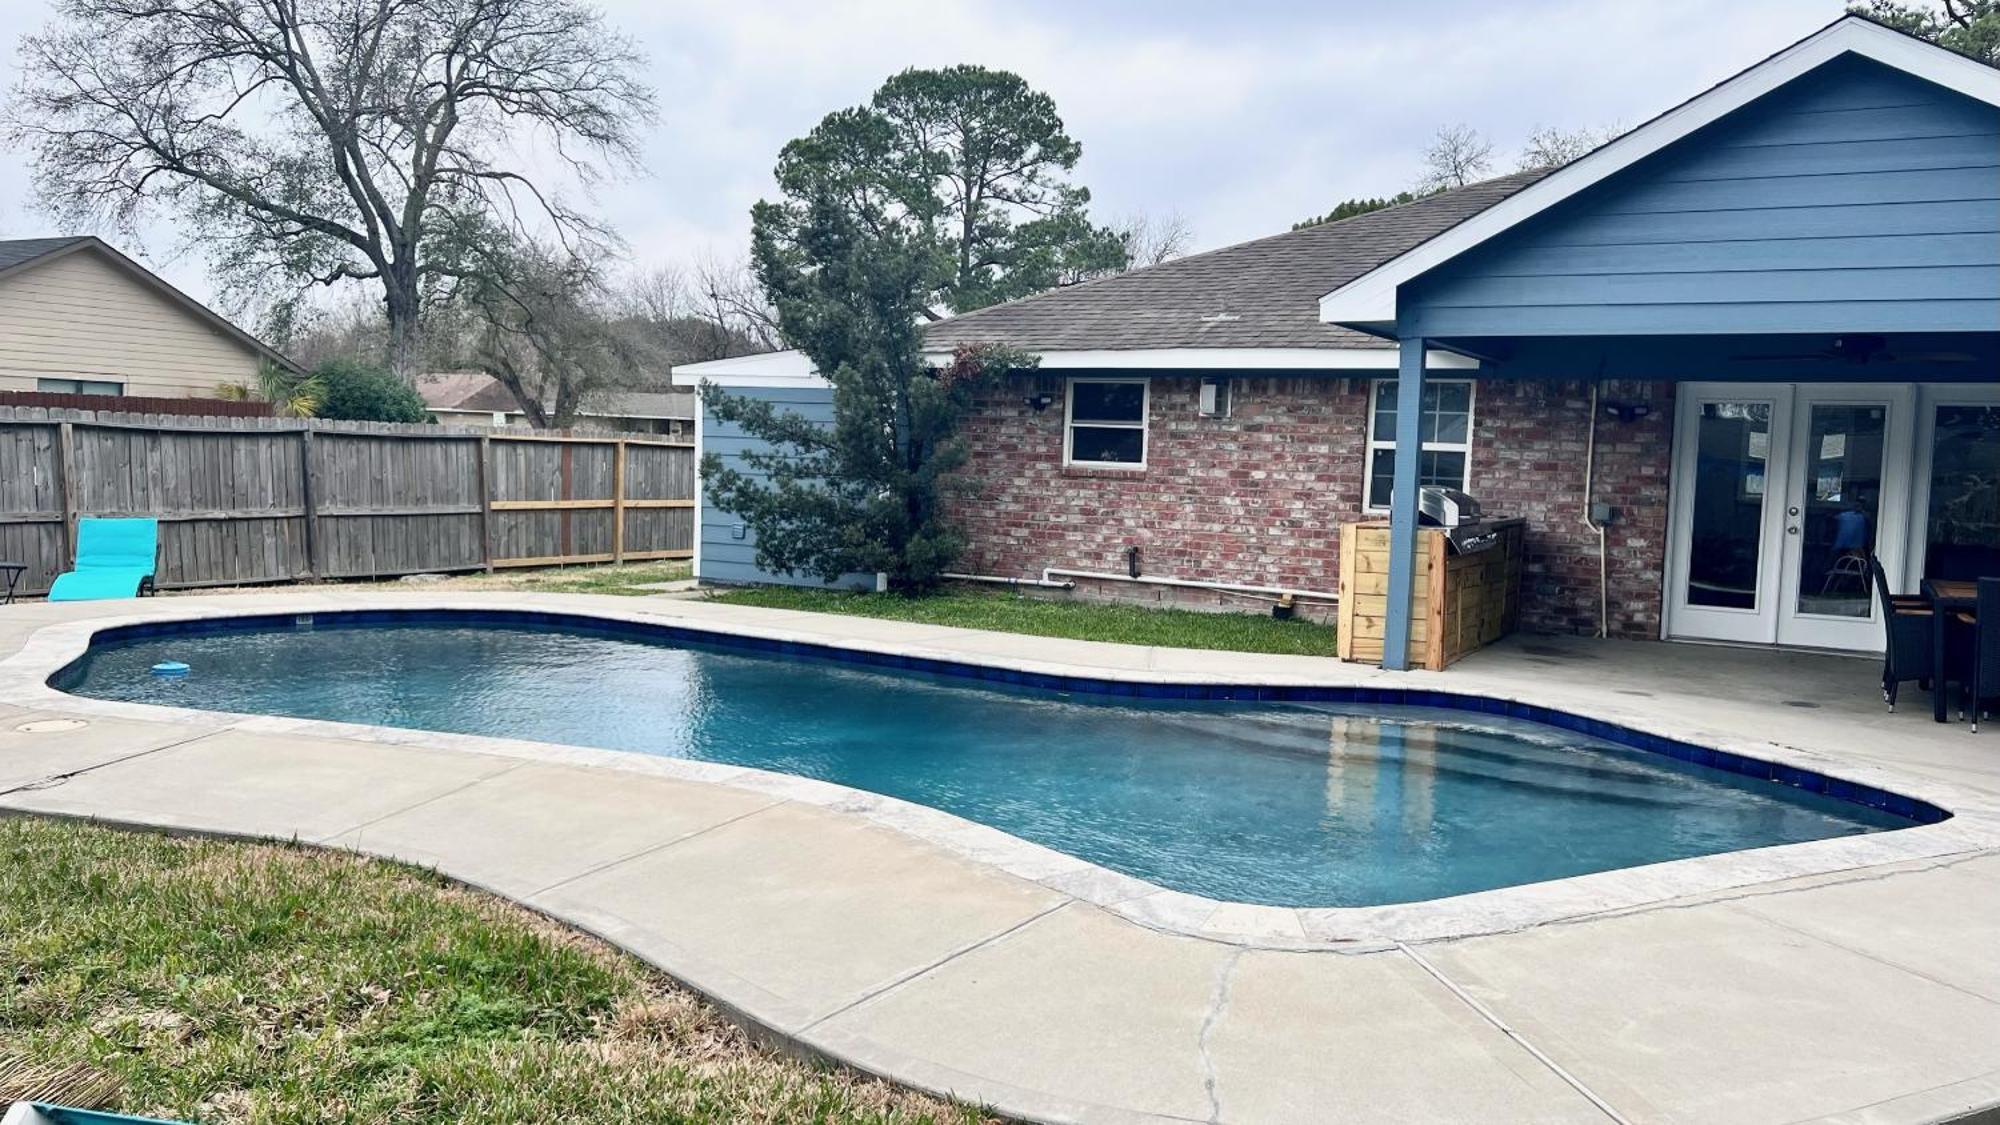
[
  {"x": 230, "y": 982},
  {"x": 1007, "y": 612}
]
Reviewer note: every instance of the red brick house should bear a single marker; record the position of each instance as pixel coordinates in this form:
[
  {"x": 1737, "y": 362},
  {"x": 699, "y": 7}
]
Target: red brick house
[{"x": 1752, "y": 337}]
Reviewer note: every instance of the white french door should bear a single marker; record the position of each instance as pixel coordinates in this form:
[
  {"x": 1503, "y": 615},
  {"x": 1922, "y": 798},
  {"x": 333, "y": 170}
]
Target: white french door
[{"x": 1780, "y": 493}]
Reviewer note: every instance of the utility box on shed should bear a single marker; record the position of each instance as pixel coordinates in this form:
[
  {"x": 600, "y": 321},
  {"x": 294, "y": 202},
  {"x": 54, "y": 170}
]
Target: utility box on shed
[{"x": 1462, "y": 600}]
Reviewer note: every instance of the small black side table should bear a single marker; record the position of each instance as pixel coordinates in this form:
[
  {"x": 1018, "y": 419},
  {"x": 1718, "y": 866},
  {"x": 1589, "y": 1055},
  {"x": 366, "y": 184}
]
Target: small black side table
[{"x": 11, "y": 573}]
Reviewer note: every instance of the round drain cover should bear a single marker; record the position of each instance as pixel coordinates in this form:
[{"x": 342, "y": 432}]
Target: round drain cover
[{"x": 50, "y": 726}]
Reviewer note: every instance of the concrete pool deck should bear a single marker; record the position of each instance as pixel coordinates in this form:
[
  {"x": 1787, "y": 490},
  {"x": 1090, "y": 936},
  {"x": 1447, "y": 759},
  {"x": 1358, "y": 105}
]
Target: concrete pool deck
[{"x": 1865, "y": 991}]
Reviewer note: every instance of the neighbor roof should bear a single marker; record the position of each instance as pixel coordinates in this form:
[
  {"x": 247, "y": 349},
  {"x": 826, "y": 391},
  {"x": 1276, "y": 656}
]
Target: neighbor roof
[
  {"x": 478, "y": 392},
  {"x": 21, "y": 251},
  {"x": 1259, "y": 294},
  {"x": 20, "y": 254}
]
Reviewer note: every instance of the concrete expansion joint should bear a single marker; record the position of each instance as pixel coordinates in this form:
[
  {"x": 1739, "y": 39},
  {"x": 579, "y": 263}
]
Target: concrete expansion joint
[
  {"x": 654, "y": 849},
  {"x": 1218, "y": 1005},
  {"x": 1741, "y": 894},
  {"x": 1492, "y": 1017},
  {"x": 55, "y": 780},
  {"x": 415, "y": 805},
  {"x": 925, "y": 970},
  {"x": 1913, "y": 970}
]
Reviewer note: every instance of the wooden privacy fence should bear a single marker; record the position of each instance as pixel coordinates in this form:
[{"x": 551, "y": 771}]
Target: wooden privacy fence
[{"x": 244, "y": 500}]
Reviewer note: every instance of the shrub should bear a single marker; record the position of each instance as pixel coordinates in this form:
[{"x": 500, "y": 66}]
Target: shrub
[{"x": 362, "y": 392}]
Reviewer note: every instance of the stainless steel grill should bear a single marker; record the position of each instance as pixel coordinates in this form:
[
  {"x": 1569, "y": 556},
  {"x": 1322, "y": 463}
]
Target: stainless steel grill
[{"x": 1458, "y": 516}]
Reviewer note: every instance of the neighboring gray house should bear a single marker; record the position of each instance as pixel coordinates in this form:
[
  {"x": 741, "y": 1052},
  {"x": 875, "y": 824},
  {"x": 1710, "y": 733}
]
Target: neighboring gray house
[{"x": 472, "y": 398}]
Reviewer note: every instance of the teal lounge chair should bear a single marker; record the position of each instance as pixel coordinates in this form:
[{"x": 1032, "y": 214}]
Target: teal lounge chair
[{"x": 114, "y": 559}]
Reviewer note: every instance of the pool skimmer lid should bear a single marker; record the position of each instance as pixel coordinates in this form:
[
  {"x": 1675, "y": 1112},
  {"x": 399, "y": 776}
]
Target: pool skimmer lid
[{"x": 50, "y": 726}]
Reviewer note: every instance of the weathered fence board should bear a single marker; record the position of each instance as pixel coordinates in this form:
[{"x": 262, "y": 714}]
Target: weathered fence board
[{"x": 248, "y": 500}]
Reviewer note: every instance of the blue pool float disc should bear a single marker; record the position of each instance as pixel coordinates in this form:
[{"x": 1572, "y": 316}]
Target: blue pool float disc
[{"x": 170, "y": 668}]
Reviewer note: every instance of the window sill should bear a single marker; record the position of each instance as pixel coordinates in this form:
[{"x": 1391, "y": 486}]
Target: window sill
[{"x": 1103, "y": 471}]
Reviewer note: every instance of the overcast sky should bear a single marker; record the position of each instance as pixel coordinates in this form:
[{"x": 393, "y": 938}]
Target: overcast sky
[{"x": 1241, "y": 116}]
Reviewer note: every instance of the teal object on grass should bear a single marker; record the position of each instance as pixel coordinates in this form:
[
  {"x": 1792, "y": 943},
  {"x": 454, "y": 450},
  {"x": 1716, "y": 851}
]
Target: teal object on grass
[
  {"x": 42, "y": 1113},
  {"x": 115, "y": 558}
]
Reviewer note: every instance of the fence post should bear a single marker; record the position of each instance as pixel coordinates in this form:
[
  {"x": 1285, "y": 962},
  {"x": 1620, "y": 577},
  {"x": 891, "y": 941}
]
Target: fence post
[
  {"x": 486, "y": 502},
  {"x": 618, "y": 503},
  {"x": 309, "y": 489},
  {"x": 66, "y": 453}
]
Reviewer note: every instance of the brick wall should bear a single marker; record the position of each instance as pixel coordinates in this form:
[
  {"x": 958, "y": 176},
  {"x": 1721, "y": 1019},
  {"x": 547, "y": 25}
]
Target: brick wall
[
  {"x": 1259, "y": 497},
  {"x": 1528, "y": 460}
]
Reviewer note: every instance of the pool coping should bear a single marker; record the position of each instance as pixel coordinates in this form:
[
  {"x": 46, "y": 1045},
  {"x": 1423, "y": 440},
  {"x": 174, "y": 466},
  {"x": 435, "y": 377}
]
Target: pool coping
[{"x": 1973, "y": 824}]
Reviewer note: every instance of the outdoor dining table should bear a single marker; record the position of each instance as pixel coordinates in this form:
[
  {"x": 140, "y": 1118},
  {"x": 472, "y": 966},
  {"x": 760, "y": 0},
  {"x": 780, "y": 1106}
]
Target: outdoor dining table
[{"x": 1948, "y": 596}]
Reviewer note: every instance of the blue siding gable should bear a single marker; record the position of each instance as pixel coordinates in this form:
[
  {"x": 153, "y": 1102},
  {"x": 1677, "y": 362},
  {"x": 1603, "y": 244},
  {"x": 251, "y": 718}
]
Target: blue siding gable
[
  {"x": 724, "y": 557},
  {"x": 1857, "y": 198}
]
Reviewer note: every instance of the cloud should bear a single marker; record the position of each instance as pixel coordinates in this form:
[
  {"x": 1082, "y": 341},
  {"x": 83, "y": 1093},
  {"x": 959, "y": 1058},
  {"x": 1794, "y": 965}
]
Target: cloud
[{"x": 1243, "y": 117}]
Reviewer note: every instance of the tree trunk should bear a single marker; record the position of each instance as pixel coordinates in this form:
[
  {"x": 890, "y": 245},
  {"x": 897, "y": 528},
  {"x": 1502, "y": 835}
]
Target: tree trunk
[{"x": 403, "y": 308}]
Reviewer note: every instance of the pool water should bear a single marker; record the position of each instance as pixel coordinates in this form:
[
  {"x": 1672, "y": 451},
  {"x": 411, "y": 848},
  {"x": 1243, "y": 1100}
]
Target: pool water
[{"x": 1274, "y": 803}]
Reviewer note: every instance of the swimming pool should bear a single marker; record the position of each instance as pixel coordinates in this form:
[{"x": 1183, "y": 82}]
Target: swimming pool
[{"x": 1307, "y": 797}]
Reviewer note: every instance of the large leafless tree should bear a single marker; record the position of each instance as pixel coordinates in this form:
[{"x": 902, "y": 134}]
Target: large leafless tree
[
  {"x": 1549, "y": 147},
  {"x": 1458, "y": 155},
  {"x": 305, "y": 143},
  {"x": 712, "y": 310},
  {"x": 545, "y": 322}
]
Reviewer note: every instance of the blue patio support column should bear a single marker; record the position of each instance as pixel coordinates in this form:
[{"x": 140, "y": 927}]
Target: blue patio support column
[{"x": 1403, "y": 502}]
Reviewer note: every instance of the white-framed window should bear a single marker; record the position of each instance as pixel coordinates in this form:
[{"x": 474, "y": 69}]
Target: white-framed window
[
  {"x": 1446, "y": 430},
  {"x": 80, "y": 386},
  {"x": 1104, "y": 423}
]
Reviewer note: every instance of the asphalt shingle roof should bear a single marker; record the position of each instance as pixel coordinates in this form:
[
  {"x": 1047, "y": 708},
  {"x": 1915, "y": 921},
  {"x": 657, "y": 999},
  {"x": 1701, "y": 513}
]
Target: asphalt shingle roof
[
  {"x": 15, "y": 251},
  {"x": 1259, "y": 294}
]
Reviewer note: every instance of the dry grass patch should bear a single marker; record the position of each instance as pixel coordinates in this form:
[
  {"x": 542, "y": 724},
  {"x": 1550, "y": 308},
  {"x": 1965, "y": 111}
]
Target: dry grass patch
[
  {"x": 221, "y": 981},
  {"x": 628, "y": 579}
]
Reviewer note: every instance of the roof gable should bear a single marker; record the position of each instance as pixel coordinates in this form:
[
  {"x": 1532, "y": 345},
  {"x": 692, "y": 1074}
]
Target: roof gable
[
  {"x": 1369, "y": 300},
  {"x": 1857, "y": 198},
  {"x": 20, "y": 255}
]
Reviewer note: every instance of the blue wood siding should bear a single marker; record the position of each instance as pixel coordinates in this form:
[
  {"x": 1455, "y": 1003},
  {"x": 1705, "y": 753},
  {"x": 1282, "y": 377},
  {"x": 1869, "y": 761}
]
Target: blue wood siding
[
  {"x": 724, "y": 557},
  {"x": 1855, "y": 199}
]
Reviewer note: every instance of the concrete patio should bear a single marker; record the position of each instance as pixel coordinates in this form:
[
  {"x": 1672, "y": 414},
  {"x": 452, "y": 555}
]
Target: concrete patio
[{"x": 923, "y": 949}]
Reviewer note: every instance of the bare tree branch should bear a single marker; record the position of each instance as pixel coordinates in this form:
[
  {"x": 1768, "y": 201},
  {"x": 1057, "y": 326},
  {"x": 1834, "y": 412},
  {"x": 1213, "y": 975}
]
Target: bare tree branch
[
  {"x": 1458, "y": 155},
  {"x": 308, "y": 143}
]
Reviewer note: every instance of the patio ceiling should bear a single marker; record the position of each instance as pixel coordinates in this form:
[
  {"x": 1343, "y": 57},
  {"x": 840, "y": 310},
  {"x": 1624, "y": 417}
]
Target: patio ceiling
[{"x": 1935, "y": 357}]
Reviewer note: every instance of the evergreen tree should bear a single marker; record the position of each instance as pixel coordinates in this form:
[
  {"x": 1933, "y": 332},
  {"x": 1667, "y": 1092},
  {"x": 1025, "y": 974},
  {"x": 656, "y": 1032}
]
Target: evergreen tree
[{"x": 850, "y": 275}]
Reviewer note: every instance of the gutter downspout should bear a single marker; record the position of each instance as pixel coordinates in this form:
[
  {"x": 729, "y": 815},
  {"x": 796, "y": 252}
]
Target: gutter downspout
[{"x": 1589, "y": 491}]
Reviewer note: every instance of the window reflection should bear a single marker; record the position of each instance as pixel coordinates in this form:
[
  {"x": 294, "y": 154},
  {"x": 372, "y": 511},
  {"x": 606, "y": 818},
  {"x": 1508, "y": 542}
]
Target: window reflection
[
  {"x": 1733, "y": 447},
  {"x": 1842, "y": 505},
  {"x": 1964, "y": 529}
]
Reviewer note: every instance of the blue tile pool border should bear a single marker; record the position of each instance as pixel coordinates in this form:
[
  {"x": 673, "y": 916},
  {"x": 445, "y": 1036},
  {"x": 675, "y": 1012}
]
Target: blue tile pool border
[{"x": 1895, "y": 804}]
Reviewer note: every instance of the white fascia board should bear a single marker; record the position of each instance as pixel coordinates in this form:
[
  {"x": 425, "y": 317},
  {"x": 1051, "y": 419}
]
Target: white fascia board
[
  {"x": 1239, "y": 359},
  {"x": 788, "y": 368},
  {"x": 796, "y": 371},
  {"x": 1371, "y": 298}
]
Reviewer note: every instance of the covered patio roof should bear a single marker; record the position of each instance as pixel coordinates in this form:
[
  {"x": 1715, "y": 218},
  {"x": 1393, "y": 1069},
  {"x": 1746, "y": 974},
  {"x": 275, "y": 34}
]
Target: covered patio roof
[{"x": 1831, "y": 215}]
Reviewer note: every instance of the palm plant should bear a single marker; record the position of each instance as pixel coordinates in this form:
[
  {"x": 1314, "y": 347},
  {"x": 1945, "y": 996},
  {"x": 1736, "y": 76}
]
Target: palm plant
[{"x": 290, "y": 393}]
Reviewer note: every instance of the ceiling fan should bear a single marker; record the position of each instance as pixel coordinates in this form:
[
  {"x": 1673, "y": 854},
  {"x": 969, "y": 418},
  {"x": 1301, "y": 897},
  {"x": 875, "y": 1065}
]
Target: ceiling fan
[{"x": 1862, "y": 350}]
